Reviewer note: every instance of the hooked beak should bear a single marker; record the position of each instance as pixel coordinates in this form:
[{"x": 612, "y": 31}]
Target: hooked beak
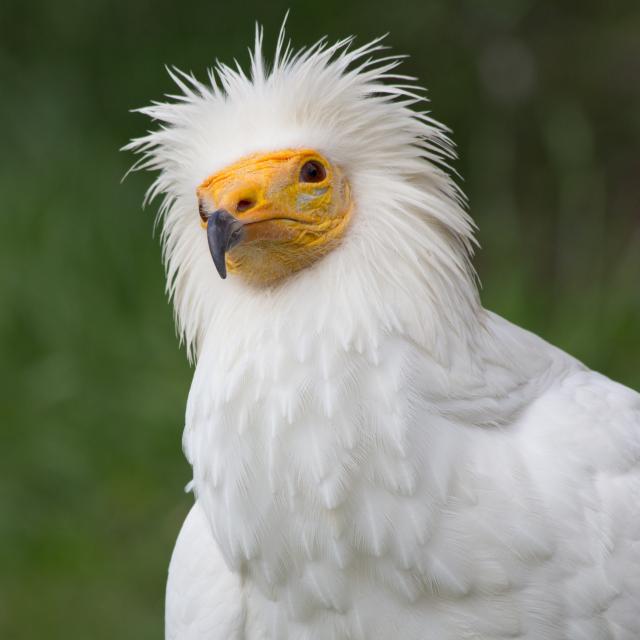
[{"x": 224, "y": 232}]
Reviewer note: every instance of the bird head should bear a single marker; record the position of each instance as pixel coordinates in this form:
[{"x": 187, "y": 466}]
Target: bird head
[
  {"x": 269, "y": 215},
  {"x": 312, "y": 192}
]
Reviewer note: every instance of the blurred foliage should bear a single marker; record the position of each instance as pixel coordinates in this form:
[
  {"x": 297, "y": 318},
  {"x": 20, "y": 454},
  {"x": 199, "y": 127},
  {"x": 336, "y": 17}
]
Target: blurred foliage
[{"x": 544, "y": 101}]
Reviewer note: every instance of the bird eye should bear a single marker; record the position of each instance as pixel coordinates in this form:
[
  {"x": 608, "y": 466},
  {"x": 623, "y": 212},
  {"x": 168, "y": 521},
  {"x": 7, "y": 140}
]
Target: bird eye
[
  {"x": 201, "y": 210},
  {"x": 312, "y": 171}
]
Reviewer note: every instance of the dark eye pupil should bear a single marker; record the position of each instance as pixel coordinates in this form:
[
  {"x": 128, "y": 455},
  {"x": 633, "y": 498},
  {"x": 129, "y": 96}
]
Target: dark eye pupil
[
  {"x": 202, "y": 212},
  {"x": 312, "y": 171}
]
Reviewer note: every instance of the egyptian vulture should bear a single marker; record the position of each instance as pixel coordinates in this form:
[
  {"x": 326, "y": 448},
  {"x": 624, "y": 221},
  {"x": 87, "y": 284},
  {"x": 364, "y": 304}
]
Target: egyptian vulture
[{"x": 375, "y": 456}]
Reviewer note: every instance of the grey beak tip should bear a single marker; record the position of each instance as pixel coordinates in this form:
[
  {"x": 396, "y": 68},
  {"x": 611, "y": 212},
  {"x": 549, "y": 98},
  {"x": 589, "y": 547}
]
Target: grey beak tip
[{"x": 224, "y": 232}]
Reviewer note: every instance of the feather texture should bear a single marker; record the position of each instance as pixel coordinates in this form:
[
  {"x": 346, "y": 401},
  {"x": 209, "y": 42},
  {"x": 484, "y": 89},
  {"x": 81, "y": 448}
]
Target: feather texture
[{"x": 374, "y": 454}]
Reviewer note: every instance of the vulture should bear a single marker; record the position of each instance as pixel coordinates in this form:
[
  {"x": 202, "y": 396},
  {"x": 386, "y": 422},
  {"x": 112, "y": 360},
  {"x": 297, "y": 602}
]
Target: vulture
[{"x": 375, "y": 456}]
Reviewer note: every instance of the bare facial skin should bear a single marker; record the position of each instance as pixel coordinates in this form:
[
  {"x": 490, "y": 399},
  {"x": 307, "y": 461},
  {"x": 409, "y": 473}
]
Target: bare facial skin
[{"x": 269, "y": 215}]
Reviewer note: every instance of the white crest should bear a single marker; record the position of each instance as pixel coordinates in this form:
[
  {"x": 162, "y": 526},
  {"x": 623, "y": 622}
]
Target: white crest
[{"x": 405, "y": 260}]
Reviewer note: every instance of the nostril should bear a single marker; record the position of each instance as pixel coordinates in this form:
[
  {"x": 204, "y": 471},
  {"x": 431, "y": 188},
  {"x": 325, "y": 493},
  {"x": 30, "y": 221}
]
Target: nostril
[{"x": 244, "y": 205}]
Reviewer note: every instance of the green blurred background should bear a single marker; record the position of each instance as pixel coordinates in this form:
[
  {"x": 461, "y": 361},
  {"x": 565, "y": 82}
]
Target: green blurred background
[{"x": 544, "y": 100}]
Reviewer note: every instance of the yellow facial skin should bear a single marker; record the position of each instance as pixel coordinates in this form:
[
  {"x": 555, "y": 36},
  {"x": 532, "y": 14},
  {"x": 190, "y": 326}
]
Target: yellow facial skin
[{"x": 289, "y": 221}]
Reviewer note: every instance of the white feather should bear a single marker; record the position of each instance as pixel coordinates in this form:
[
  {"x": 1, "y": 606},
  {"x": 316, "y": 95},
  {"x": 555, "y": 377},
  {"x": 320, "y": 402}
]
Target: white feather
[{"x": 376, "y": 456}]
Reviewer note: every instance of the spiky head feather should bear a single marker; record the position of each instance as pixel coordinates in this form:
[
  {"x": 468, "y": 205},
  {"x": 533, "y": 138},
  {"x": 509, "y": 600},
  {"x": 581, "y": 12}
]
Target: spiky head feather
[{"x": 405, "y": 263}]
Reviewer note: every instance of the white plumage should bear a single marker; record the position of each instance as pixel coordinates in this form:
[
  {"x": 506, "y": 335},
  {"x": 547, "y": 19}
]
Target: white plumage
[{"x": 375, "y": 456}]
